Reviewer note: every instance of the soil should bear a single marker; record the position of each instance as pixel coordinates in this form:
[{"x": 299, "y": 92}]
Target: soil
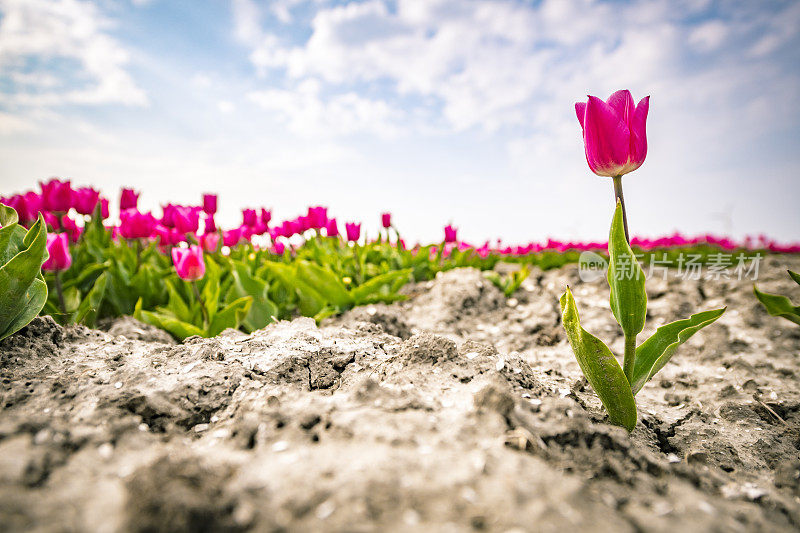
[{"x": 456, "y": 410}]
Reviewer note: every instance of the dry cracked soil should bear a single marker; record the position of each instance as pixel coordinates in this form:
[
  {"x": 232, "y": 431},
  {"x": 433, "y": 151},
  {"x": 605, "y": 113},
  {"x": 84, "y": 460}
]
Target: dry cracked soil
[{"x": 456, "y": 410}]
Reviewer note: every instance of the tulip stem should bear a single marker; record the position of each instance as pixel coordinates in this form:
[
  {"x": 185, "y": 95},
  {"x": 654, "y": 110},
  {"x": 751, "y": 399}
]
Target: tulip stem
[
  {"x": 630, "y": 357},
  {"x": 60, "y": 292},
  {"x": 618, "y": 195},
  {"x": 202, "y": 305}
]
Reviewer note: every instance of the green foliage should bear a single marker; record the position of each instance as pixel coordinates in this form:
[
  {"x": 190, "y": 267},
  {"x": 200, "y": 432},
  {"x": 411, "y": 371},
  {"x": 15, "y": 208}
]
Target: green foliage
[
  {"x": 600, "y": 367},
  {"x": 22, "y": 254},
  {"x": 511, "y": 283},
  {"x": 629, "y": 305},
  {"x": 778, "y": 305}
]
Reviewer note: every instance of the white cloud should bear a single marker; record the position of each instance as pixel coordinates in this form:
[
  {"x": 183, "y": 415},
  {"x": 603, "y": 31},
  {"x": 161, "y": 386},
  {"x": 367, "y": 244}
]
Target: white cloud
[
  {"x": 225, "y": 106},
  {"x": 71, "y": 31}
]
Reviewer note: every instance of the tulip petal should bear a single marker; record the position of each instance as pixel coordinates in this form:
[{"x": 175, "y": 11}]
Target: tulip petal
[
  {"x": 623, "y": 104},
  {"x": 580, "y": 110},
  {"x": 606, "y": 138},
  {"x": 639, "y": 132}
]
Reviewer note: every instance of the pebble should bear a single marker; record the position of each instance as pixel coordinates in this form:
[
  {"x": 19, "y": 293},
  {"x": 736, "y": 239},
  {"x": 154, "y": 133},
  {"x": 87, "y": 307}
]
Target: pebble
[{"x": 280, "y": 446}]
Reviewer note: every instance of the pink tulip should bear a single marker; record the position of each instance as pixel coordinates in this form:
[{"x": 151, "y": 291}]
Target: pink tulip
[
  {"x": 104, "y": 208},
  {"x": 386, "y": 220},
  {"x": 185, "y": 219},
  {"x": 52, "y": 221},
  {"x": 57, "y": 195},
  {"x": 249, "y": 217},
  {"x": 450, "y": 233},
  {"x": 85, "y": 199},
  {"x": 209, "y": 225},
  {"x": 71, "y": 228},
  {"x": 189, "y": 263},
  {"x": 317, "y": 217},
  {"x": 128, "y": 199},
  {"x": 210, "y": 204},
  {"x": 58, "y": 249},
  {"x": 136, "y": 225},
  {"x": 614, "y": 133},
  {"x": 278, "y": 248},
  {"x": 232, "y": 237},
  {"x": 210, "y": 242},
  {"x": 266, "y": 216},
  {"x": 331, "y": 228},
  {"x": 353, "y": 231}
]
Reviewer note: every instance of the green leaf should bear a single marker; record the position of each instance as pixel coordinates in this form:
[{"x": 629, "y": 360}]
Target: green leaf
[
  {"x": 177, "y": 305},
  {"x": 599, "y": 366},
  {"x": 795, "y": 276},
  {"x": 778, "y": 305},
  {"x": 373, "y": 287},
  {"x": 90, "y": 306},
  {"x": 17, "y": 275},
  {"x": 626, "y": 279},
  {"x": 35, "y": 298},
  {"x": 263, "y": 310},
  {"x": 8, "y": 216},
  {"x": 177, "y": 328},
  {"x": 230, "y": 316},
  {"x": 324, "y": 282},
  {"x": 655, "y": 352}
]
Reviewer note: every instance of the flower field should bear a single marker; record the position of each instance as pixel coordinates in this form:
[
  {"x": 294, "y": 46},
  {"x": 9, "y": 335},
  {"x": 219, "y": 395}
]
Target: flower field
[{"x": 179, "y": 271}]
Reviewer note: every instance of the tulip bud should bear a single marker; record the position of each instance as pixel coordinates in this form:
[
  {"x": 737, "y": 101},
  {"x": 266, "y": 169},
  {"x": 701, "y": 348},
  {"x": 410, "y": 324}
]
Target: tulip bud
[
  {"x": 266, "y": 216},
  {"x": 104, "y": 208},
  {"x": 128, "y": 199},
  {"x": 278, "y": 248},
  {"x": 57, "y": 195},
  {"x": 209, "y": 225},
  {"x": 58, "y": 249},
  {"x": 85, "y": 199},
  {"x": 210, "y": 204},
  {"x": 189, "y": 263},
  {"x": 386, "y": 220},
  {"x": 353, "y": 231},
  {"x": 136, "y": 225},
  {"x": 614, "y": 135},
  {"x": 450, "y": 233},
  {"x": 71, "y": 228},
  {"x": 317, "y": 217}
]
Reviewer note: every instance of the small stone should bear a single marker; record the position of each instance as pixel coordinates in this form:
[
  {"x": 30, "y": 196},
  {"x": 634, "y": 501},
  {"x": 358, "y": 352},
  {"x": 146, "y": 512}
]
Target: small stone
[{"x": 280, "y": 446}]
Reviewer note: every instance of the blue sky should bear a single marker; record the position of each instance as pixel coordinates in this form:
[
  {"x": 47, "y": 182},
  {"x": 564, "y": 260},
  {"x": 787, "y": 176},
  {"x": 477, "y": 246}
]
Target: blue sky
[{"x": 439, "y": 111}]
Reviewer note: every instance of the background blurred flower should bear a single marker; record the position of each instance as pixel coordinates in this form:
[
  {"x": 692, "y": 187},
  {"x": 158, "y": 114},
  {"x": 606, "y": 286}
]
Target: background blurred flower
[
  {"x": 58, "y": 248},
  {"x": 85, "y": 199},
  {"x": 57, "y": 195},
  {"x": 353, "y": 231},
  {"x": 210, "y": 204},
  {"x": 128, "y": 199},
  {"x": 189, "y": 263}
]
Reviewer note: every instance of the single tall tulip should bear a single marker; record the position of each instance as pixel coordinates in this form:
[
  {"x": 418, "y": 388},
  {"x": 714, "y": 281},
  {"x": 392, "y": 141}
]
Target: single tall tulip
[
  {"x": 386, "y": 220},
  {"x": 189, "y": 263},
  {"x": 85, "y": 199},
  {"x": 450, "y": 233},
  {"x": 331, "y": 228},
  {"x": 614, "y": 137},
  {"x": 58, "y": 249}
]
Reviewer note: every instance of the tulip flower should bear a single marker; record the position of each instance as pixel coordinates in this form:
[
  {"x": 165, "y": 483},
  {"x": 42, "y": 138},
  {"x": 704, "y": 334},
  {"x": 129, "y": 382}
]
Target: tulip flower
[
  {"x": 232, "y": 237},
  {"x": 450, "y": 233},
  {"x": 128, "y": 199},
  {"x": 209, "y": 225},
  {"x": 85, "y": 199},
  {"x": 136, "y": 225},
  {"x": 331, "y": 228},
  {"x": 614, "y": 138},
  {"x": 58, "y": 249},
  {"x": 71, "y": 228},
  {"x": 104, "y": 208},
  {"x": 189, "y": 263},
  {"x": 266, "y": 216},
  {"x": 57, "y": 195},
  {"x": 185, "y": 219},
  {"x": 210, "y": 204},
  {"x": 353, "y": 231},
  {"x": 278, "y": 248},
  {"x": 386, "y": 220},
  {"x": 210, "y": 242},
  {"x": 249, "y": 217},
  {"x": 317, "y": 217},
  {"x": 52, "y": 221}
]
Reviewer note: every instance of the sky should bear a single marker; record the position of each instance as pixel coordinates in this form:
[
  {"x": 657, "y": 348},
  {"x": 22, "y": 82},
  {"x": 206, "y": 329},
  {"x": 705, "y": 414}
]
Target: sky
[{"x": 440, "y": 111}]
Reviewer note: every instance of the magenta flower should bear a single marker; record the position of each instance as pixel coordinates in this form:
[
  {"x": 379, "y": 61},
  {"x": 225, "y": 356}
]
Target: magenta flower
[
  {"x": 317, "y": 217},
  {"x": 614, "y": 133},
  {"x": 104, "y": 208},
  {"x": 128, "y": 199},
  {"x": 185, "y": 219},
  {"x": 58, "y": 249},
  {"x": 266, "y": 216},
  {"x": 232, "y": 237},
  {"x": 249, "y": 217},
  {"x": 57, "y": 195},
  {"x": 210, "y": 204},
  {"x": 353, "y": 231},
  {"x": 85, "y": 199},
  {"x": 331, "y": 228},
  {"x": 69, "y": 226},
  {"x": 209, "y": 225},
  {"x": 189, "y": 262},
  {"x": 136, "y": 225},
  {"x": 278, "y": 248},
  {"x": 386, "y": 220},
  {"x": 450, "y": 233},
  {"x": 52, "y": 221},
  {"x": 210, "y": 242}
]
